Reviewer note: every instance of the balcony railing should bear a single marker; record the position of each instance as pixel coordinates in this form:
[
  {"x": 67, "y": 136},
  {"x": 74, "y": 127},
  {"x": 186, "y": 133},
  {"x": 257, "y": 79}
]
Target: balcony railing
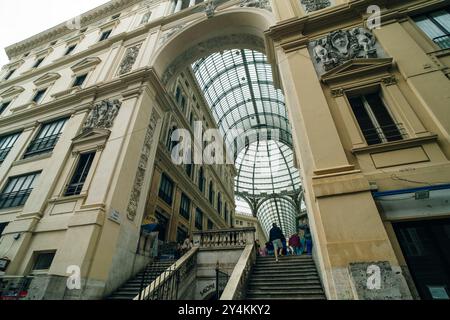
[
  {"x": 224, "y": 238},
  {"x": 386, "y": 133},
  {"x": 14, "y": 199},
  {"x": 4, "y": 153},
  {"x": 42, "y": 145},
  {"x": 443, "y": 41},
  {"x": 74, "y": 189}
]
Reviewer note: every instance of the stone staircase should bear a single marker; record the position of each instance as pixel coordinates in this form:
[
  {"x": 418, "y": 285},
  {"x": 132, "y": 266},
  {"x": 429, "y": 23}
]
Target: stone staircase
[
  {"x": 132, "y": 287},
  {"x": 292, "y": 278}
]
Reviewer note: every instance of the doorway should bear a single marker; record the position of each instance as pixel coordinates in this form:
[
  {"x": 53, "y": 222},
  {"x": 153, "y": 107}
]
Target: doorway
[{"x": 426, "y": 248}]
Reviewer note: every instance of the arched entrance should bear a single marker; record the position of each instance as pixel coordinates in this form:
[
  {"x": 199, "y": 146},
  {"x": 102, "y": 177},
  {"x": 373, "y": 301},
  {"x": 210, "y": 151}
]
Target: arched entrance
[{"x": 226, "y": 57}]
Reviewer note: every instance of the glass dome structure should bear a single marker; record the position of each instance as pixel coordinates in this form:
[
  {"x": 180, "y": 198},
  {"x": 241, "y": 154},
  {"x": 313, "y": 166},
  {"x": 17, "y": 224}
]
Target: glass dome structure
[{"x": 252, "y": 117}]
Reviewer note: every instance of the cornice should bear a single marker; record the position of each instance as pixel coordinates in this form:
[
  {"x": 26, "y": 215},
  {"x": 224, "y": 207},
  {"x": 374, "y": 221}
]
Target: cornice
[{"x": 63, "y": 29}]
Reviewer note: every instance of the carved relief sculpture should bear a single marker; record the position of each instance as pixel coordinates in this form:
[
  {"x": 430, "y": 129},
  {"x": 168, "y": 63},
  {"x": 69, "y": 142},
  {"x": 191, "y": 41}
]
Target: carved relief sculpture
[
  {"x": 314, "y": 5},
  {"x": 146, "y": 17},
  {"x": 102, "y": 115},
  {"x": 341, "y": 46},
  {"x": 130, "y": 58},
  {"x": 142, "y": 167},
  {"x": 210, "y": 8},
  {"x": 262, "y": 4}
]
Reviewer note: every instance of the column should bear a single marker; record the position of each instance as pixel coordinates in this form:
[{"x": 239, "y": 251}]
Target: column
[
  {"x": 172, "y": 6},
  {"x": 178, "y": 6}
]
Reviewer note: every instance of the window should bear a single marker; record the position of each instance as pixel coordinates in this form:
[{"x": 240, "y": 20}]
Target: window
[
  {"x": 81, "y": 172},
  {"x": 17, "y": 190},
  {"x": 211, "y": 193},
  {"x": 166, "y": 189},
  {"x": 105, "y": 35},
  {"x": 185, "y": 207},
  {"x": 53, "y": 43},
  {"x": 201, "y": 180},
  {"x": 189, "y": 170},
  {"x": 182, "y": 234},
  {"x": 191, "y": 119},
  {"x": 9, "y": 74},
  {"x": 219, "y": 204},
  {"x": 210, "y": 225},
  {"x": 46, "y": 139},
  {"x": 6, "y": 144},
  {"x": 3, "y": 106},
  {"x": 79, "y": 80},
  {"x": 178, "y": 94},
  {"x": 183, "y": 103},
  {"x": 39, "y": 96},
  {"x": 70, "y": 49},
  {"x": 38, "y": 62},
  {"x": 374, "y": 119},
  {"x": 226, "y": 212},
  {"x": 116, "y": 16},
  {"x": 199, "y": 219},
  {"x": 436, "y": 26},
  {"x": 43, "y": 261}
]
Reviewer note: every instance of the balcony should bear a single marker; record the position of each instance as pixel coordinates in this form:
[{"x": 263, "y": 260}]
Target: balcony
[{"x": 14, "y": 199}]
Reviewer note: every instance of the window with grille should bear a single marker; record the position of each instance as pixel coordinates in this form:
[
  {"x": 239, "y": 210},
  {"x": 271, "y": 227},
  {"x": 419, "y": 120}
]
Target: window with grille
[
  {"x": 79, "y": 80},
  {"x": 46, "y": 139},
  {"x": 185, "y": 207},
  {"x": 17, "y": 190},
  {"x": 166, "y": 189},
  {"x": 374, "y": 119},
  {"x": 39, "y": 95},
  {"x": 105, "y": 35},
  {"x": 81, "y": 172},
  {"x": 43, "y": 261},
  {"x": 6, "y": 144},
  {"x": 219, "y": 204},
  {"x": 199, "y": 219},
  {"x": 436, "y": 25},
  {"x": 3, "y": 106}
]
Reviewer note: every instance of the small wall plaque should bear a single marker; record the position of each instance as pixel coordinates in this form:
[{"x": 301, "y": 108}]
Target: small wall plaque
[{"x": 114, "y": 216}]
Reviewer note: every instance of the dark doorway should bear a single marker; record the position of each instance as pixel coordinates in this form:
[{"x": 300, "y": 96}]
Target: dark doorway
[
  {"x": 426, "y": 247},
  {"x": 164, "y": 222}
]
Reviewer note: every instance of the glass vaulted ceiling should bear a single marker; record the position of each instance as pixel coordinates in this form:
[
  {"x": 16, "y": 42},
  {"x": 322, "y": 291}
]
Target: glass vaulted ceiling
[{"x": 238, "y": 86}]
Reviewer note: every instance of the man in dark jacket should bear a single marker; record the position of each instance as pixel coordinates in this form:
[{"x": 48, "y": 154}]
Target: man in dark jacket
[{"x": 275, "y": 237}]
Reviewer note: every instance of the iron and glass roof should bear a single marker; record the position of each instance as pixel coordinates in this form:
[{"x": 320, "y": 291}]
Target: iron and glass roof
[{"x": 238, "y": 86}]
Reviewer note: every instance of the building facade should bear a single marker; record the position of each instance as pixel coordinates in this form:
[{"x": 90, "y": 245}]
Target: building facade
[{"x": 87, "y": 110}]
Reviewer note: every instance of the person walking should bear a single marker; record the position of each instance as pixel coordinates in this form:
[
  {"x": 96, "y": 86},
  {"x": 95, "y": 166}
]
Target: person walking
[
  {"x": 308, "y": 237},
  {"x": 275, "y": 237},
  {"x": 294, "y": 244}
]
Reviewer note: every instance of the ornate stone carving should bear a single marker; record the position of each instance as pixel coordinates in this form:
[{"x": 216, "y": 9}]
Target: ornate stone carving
[
  {"x": 166, "y": 36},
  {"x": 341, "y": 46},
  {"x": 146, "y": 17},
  {"x": 314, "y": 5},
  {"x": 339, "y": 92},
  {"x": 210, "y": 8},
  {"x": 102, "y": 115},
  {"x": 130, "y": 58},
  {"x": 262, "y": 4},
  {"x": 389, "y": 81},
  {"x": 142, "y": 167}
]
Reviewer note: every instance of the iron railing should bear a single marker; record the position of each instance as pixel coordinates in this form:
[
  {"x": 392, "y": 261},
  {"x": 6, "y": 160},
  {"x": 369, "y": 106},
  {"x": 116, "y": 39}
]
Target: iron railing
[
  {"x": 443, "y": 41},
  {"x": 166, "y": 286},
  {"x": 221, "y": 282},
  {"x": 42, "y": 145},
  {"x": 14, "y": 199},
  {"x": 393, "y": 132}
]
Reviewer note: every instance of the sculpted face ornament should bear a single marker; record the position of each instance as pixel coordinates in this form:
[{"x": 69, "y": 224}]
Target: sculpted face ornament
[
  {"x": 102, "y": 115},
  {"x": 341, "y": 46}
]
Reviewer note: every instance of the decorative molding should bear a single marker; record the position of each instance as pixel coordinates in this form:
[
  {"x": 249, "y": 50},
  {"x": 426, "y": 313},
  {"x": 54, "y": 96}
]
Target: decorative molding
[
  {"x": 339, "y": 92},
  {"x": 168, "y": 34},
  {"x": 210, "y": 8},
  {"x": 11, "y": 92},
  {"x": 47, "y": 78},
  {"x": 146, "y": 17},
  {"x": 261, "y": 4},
  {"x": 314, "y": 5},
  {"x": 86, "y": 63},
  {"x": 389, "y": 81},
  {"x": 91, "y": 135},
  {"x": 129, "y": 59},
  {"x": 142, "y": 167},
  {"x": 102, "y": 115}
]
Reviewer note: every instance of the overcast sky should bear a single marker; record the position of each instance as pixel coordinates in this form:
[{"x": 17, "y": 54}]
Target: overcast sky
[{"x": 20, "y": 19}]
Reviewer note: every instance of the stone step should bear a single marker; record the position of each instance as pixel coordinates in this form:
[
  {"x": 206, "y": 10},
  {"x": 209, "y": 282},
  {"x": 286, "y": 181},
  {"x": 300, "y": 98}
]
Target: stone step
[
  {"x": 287, "y": 294},
  {"x": 305, "y": 297},
  {"x": 276, "y": 272},
  {"x": 303, "y": 257},
  {"x": 285, "y": 288},
  {"x": 284, "y": 282},
  {"x": 287, "y": 268}
]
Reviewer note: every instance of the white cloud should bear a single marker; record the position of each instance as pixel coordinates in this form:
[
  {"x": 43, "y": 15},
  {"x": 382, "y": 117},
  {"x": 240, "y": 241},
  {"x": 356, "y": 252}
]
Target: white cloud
[{"x": 20, "y": 19}]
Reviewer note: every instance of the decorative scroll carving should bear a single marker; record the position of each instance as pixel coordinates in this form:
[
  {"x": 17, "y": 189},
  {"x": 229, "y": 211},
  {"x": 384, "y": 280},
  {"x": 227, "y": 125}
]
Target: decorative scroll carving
[
  {"x": 142, "y": 167},
  {"x": 262, "y": 4},
  {"x": 314, "y": 5},
  {"x": 166, "y": 36},
  {"x": 341, "y": 46},
  {"x": 337, "y": 92},
  {"x": 102, "y": 115},
  {"x": 389, "y": 81},
  {"x": 130, "y": 58}
]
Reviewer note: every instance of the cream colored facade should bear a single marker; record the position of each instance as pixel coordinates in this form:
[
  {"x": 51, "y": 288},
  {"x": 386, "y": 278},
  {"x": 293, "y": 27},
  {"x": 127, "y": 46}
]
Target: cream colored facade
[
  {"x": 241, "y": 220},
  {"x": 139, "y": 65}
]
